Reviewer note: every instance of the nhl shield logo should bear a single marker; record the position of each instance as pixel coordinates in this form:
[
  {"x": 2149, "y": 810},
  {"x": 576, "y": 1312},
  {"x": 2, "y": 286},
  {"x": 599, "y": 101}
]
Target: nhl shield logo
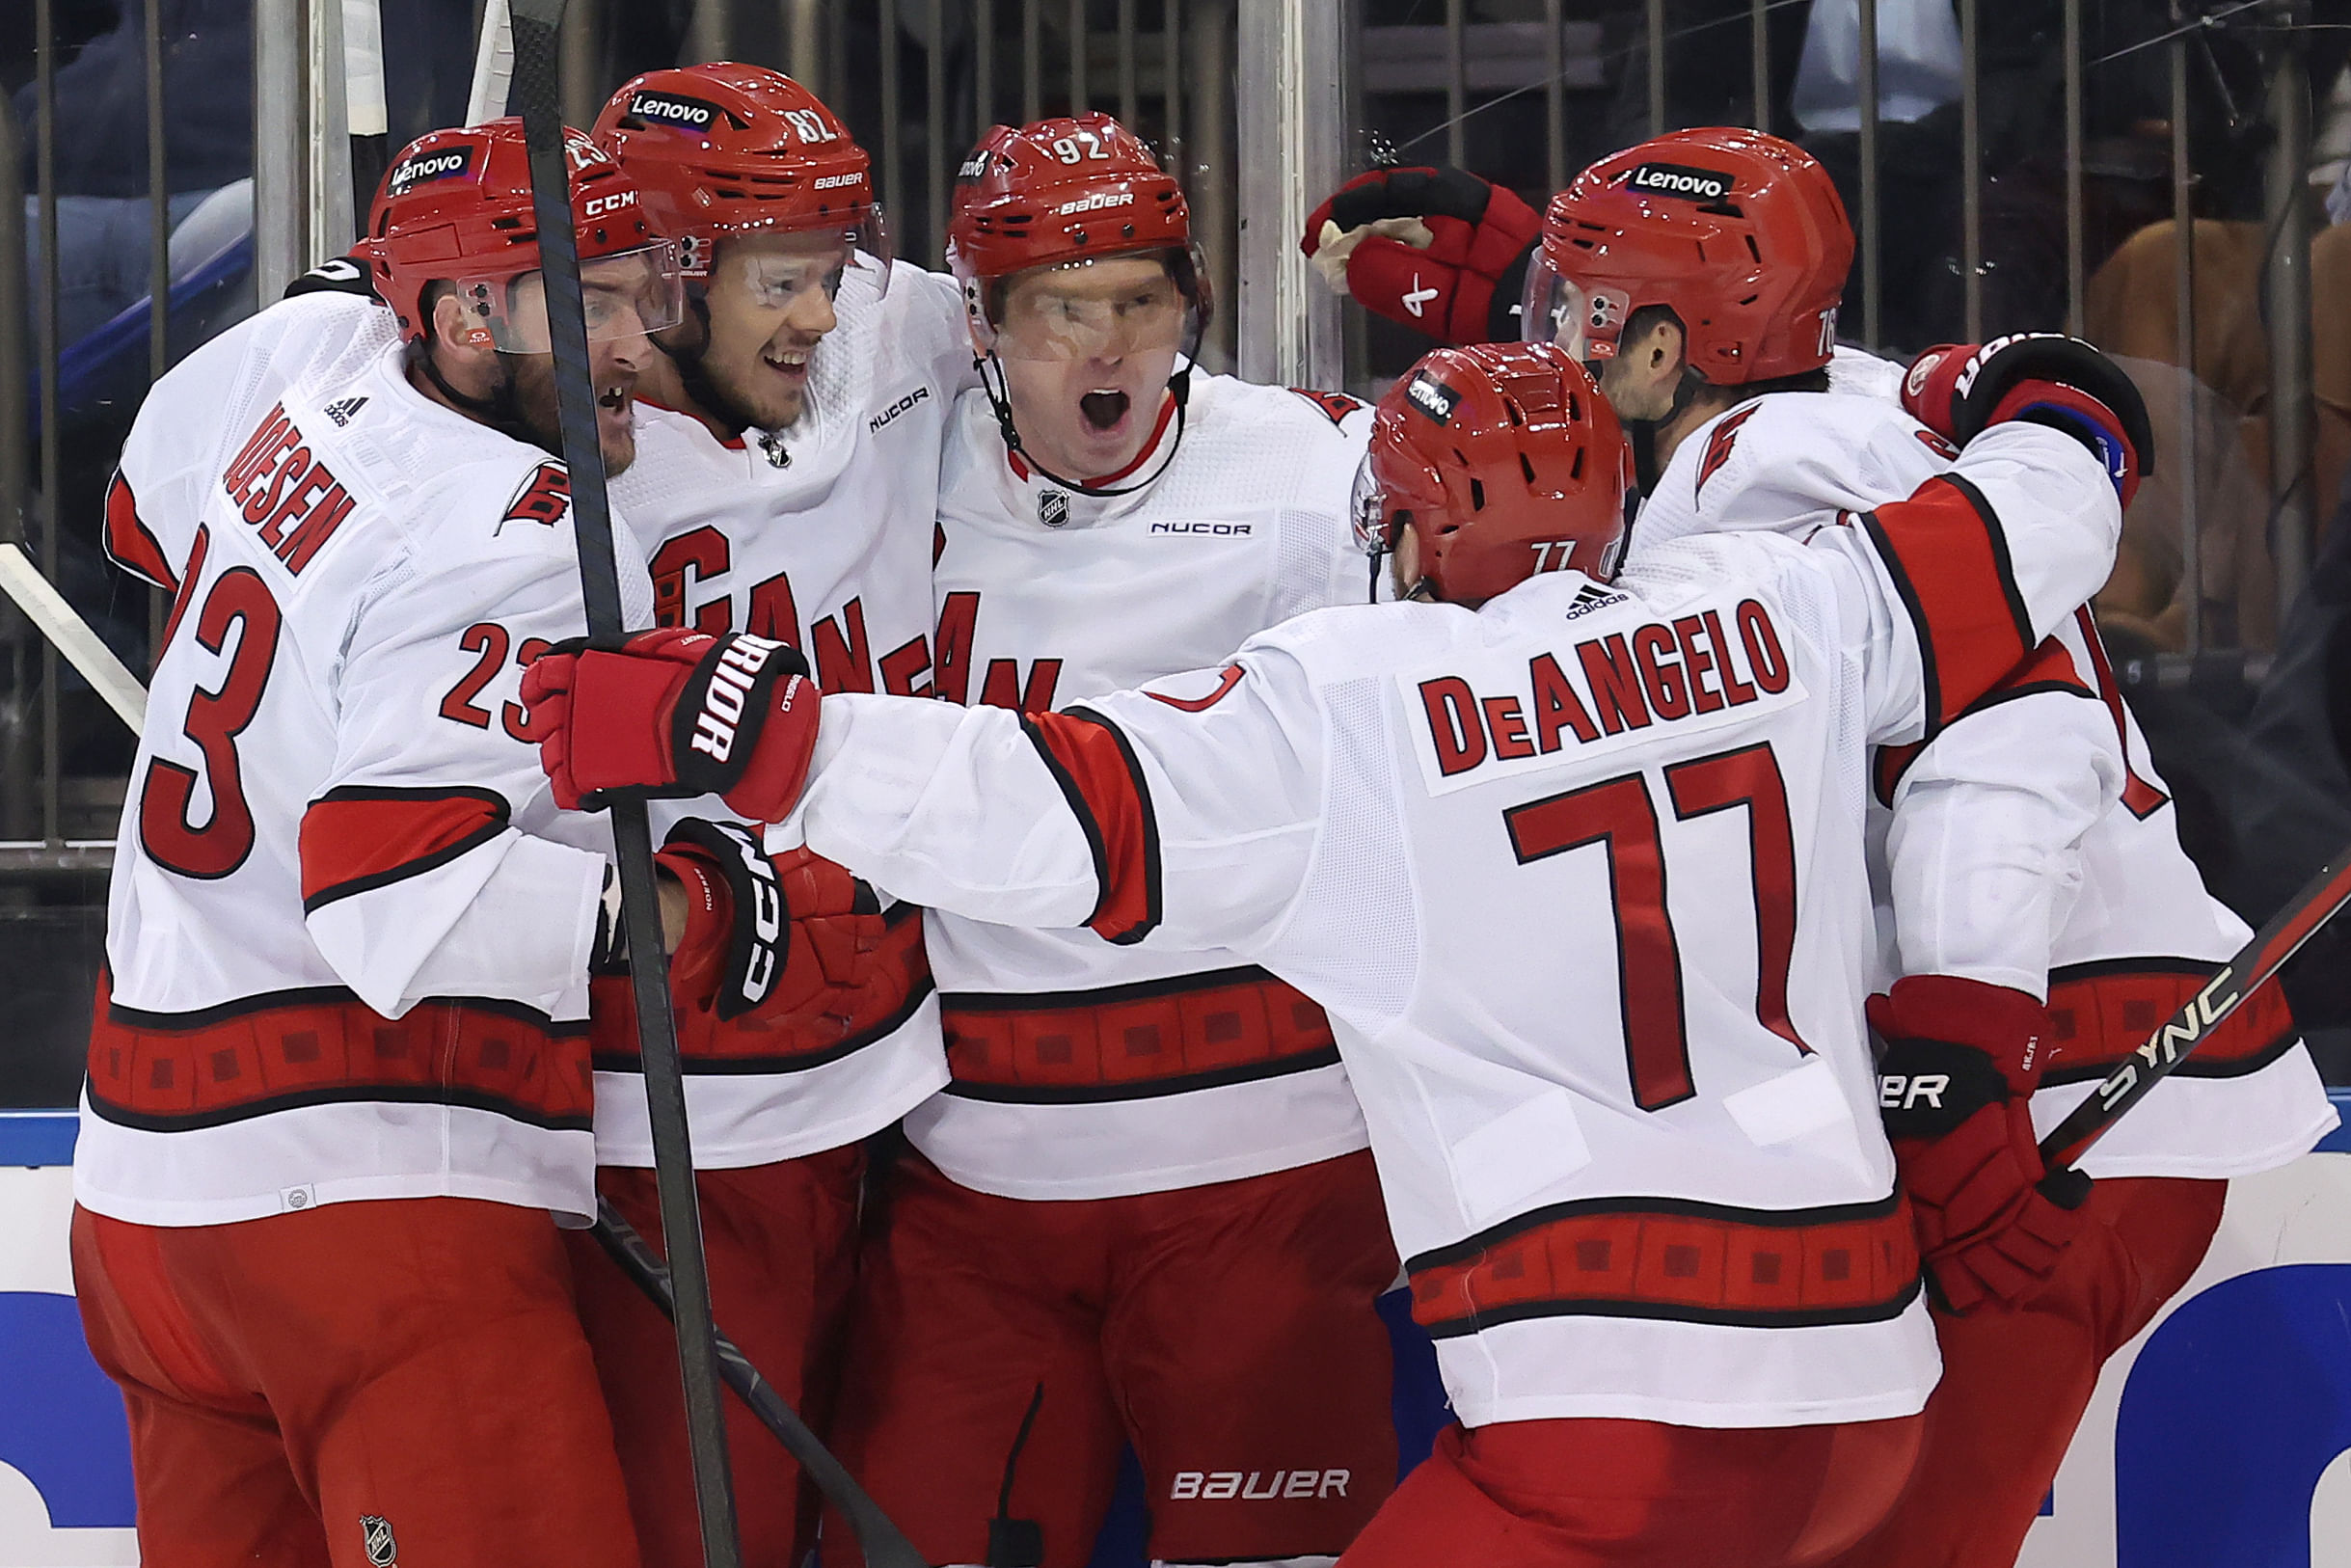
[
  {"x": 376, "y": 1534},
  {"x": 1053, "y": 508}
]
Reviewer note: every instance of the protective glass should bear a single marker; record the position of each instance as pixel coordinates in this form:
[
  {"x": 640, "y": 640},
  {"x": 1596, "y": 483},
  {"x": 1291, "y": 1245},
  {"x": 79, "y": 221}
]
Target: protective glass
[
  {"x": 1114, "y": 308},
  {"x": 1557, "y": 309},
  {"x": 626, "y": 295}
]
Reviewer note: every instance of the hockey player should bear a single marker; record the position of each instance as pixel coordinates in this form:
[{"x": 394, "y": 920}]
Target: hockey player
[
  {"x": 338, "y": 1072},
  {"x": 2032, "y": 852},
  {"x": 1574, "y": 858},
  {"x": 1142, "y": 1210},
  {"x": 786, "y": 485}
]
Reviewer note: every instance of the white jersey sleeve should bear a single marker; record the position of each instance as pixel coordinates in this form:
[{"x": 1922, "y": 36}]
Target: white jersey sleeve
[{"x": 490, "y": 911}]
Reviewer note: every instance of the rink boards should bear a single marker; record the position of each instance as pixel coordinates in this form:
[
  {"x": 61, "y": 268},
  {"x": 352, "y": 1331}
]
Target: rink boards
[{"x": 2221, "y": 1436}]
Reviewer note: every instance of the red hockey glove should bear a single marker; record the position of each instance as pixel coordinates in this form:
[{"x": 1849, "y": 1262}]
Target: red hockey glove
[
  {"x": 1961, "y": 1059},
  {"x": 675, "y": 714},
  {"x": 767, "y": 934},
  {"x": 788, "y": 943},
  {"x": 1438, "y": 250},
  {"x": 1959, "y": 389}
]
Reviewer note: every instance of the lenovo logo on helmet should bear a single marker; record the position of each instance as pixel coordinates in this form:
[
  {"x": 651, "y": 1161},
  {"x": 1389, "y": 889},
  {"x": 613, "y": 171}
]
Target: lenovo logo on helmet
[
  {"x": 973, "y": 166},
  {"x": 1433, "y": 398},
  {"x": 681, "y": 113},
  {"x": 1680, "y": 179},
  {"x": 1096, "y": 202},
  {"x": 425, "y": 166}
]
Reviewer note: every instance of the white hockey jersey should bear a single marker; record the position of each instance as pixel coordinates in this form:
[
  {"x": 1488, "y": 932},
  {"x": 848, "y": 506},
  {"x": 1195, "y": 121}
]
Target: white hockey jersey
[
  {"x": 820, "y": 536},
  {"x": 1579, "y": 879},
  {"x": 2032, "y": 843},
  {"x": 348, "y": 931},
  {"x": 1083, "y": 1069}
]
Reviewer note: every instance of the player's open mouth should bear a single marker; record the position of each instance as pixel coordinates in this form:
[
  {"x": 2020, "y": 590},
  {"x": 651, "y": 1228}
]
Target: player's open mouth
[
  {"x": 791, "y": 363},
  {"x": 1103, "y": 410},
  {"x": 614, "y": 398}
]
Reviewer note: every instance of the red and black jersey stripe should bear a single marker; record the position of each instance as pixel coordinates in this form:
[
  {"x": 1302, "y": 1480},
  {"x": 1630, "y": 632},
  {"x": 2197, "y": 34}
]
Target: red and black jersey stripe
[
  {"x": 1100, "y": 777},
  {"x": 2049, "y": 668},
  {"x": 363, "y": 837},
  {"x": 129, "y": 542},
  {"x": 1677, "y": 1259},
  {"x": 321, "y": 1046},
  {"x": 2101, "y": 1013},
  {"x": 1948, "y": 556}
]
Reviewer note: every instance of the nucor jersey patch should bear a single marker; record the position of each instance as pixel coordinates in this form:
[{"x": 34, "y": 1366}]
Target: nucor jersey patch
[{"x": 1480, "y": 716}]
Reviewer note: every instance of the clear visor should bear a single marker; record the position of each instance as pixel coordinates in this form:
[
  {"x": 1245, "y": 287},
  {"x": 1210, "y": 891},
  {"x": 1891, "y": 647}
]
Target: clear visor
[
  {"x": 781, "y": 265},
  {"x": 1115, "y": 307},
  {"x": 1368, "y": 507},
  {"x": 1557, "y": 309},
  {"x": 627, "y": 294}
]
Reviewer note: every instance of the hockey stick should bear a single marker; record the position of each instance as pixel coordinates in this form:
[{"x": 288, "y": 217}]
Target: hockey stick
[
  {"x": 534, "y": 24},
  {"x": 883, "y": 1544},
  {"x": 2193, "y": 1024},
  {"x": 55, "y": 619}
]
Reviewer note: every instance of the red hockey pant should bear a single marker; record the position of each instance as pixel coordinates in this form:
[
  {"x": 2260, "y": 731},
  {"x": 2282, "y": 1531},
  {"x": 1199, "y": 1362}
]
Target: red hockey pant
[
  {"x": 781, "y": 1243},
  {"x": 1227, "y": 1330},
  {"x": 2016, "y": 1380},
  {"x": 359, "y": 1384},
  {"x": 1622, "y": 1494}
]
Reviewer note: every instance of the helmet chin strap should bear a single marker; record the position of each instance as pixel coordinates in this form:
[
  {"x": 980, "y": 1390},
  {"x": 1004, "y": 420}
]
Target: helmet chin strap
[
  {"x": 1000, "y": 398},
  {"x": 502, "y": 410}
]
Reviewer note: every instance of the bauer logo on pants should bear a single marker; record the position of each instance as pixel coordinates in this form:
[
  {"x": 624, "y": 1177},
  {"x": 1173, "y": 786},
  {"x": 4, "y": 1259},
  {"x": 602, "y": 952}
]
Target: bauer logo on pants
[
  {"x": 1258, "y": 1485},
  {"x": 375, "y": 1533}
]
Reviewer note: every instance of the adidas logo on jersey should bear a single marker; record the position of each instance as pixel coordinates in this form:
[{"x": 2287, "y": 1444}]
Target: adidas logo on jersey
[
  {"x": 1215, "y": 1484},
  {"x": 342, "y": 408},
  {"x": 1221, "y": 531},
  {"x": 1589, "y": 599}
]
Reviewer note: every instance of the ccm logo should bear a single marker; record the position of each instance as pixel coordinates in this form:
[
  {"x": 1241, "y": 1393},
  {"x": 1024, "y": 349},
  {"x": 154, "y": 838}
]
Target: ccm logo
[
  {"x": 1211, "y": 1484},
  {"x": 767, "y": 916},
  {"x": 729, "y": 688},
  {"x": 596, "y": 206},
  {"x": 1219, "y": 530}
]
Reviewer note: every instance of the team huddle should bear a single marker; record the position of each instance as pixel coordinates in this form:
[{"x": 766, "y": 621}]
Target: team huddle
[{"x": 1633, "y": 835}]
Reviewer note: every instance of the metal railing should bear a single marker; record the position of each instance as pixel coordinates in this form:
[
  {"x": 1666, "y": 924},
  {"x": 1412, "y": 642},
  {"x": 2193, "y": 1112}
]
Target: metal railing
[{"x": 1262, "y": 106}]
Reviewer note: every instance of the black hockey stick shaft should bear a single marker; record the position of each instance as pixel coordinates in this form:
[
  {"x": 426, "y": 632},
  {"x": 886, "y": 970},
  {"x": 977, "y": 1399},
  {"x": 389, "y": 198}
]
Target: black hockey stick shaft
[
  {"x": 883, "y": 1544},
  {"x": 2176, "y": 1038},
  {"x": 535, "y": 54}
]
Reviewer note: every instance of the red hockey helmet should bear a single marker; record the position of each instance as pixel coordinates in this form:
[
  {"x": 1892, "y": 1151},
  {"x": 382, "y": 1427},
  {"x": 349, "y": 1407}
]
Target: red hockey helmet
[
  {"x": 1504, "y": 460},
  {"x": 728, "y": 149},
  {"x": 455, "y": 207},
  {"x": 1062, "y": 192},
  {"x": 1741, "y": 234}
]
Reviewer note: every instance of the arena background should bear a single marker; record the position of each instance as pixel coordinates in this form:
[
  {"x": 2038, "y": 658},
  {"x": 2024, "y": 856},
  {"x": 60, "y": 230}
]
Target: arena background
[{"x": 2166, "y": 176}]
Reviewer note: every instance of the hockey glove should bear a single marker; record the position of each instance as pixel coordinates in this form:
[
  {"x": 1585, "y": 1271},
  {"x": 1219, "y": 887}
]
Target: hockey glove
[
  {"x": 1438, "y": 250},
  {"x": 1954, "y": 1087},
  {"x": 1961, "y": 389},
  {"x": 786, "y": 942},
  {"x": 675, "y": 714}
]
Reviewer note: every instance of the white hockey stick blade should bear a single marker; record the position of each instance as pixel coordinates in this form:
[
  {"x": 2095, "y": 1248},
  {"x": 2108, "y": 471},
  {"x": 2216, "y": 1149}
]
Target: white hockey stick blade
[
  {"x": 493, "y": 64},
  {"x": 82, "y": 647}
]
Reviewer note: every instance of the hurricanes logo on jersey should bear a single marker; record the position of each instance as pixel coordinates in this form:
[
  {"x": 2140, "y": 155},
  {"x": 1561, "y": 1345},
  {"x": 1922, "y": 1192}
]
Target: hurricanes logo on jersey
[
  {"x": 1332, "y": 406},
  {"x": 543, "y": 499},
  {"x": 1719, "y": 444}
]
